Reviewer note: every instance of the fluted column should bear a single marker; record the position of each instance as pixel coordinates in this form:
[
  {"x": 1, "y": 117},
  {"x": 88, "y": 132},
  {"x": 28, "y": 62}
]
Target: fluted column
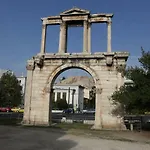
[
  {"x": 55, "y": 99},
  {"x": 85, "y": 36},
  {"x": 109, "y": 36},
  {"x": 43, "y": 38},
  {"x": 63, "y": 38},
  {"x": 89, "y": 38}
]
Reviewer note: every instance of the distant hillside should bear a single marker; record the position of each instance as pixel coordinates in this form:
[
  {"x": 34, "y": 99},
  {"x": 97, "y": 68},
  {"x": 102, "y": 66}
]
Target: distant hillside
[{"x": 85, "y": 81}]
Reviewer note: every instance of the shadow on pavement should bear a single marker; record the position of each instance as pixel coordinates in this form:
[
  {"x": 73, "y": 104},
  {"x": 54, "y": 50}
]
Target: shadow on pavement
[{"x": 20, "y": 138}]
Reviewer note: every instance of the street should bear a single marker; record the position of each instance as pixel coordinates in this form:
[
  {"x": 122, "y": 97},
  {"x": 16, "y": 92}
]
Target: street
[{"x": 19, "y": 138}]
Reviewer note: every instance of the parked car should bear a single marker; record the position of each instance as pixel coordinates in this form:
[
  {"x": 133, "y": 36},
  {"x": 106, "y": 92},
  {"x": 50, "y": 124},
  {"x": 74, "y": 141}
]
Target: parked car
[
  {"x": 89, "y": 111},
  {"x": 21, "y": 110},
  {"x": 68, "y": 111},
  {"x": 5, "y": 109},
  {"x": 14, "y": 109},
  {"x": 18, "y": 109}
]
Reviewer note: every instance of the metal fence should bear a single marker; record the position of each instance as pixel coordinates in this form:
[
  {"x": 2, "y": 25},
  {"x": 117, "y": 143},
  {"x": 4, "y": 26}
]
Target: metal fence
[
  {"x": 56, "y": 117},
  {"x": 10, "y": 115},
  {"x": 79, "y": 117},
  {"x": 137, "y": 122}
]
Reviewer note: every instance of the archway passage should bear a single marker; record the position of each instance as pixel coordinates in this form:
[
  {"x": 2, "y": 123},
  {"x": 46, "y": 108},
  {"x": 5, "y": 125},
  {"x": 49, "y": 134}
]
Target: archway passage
[
  {"x": 73, "y": 92},
  {"x": 62, "y": 68},
  {"x": 105, "y": 68}
]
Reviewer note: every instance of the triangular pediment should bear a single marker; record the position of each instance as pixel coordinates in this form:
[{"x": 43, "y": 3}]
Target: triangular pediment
[{"x": 75, "y": 10}]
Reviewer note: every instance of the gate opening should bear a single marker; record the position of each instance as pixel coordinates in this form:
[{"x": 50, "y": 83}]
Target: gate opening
[{"x": 73, "y": 92}]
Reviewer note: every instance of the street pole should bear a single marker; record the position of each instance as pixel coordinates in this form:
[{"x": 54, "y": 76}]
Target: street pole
[
  {"x": 73, "y": 92},
  {"x": 68, "y": 96}
]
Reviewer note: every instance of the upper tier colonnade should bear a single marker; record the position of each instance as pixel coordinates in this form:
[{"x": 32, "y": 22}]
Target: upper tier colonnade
[{"x": 76, "y": 17}]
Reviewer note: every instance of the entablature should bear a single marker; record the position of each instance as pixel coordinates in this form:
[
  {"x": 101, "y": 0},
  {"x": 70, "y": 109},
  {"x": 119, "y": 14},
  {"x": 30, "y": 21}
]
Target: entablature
[
  {"x": 76, "y": 14},
  {"x": 85, "y": 55}
]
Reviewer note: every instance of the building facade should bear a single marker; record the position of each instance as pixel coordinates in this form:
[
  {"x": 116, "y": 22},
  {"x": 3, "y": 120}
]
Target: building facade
[
  {"x": 73, "y": 94},
  {"x": 22, "y": 81}
]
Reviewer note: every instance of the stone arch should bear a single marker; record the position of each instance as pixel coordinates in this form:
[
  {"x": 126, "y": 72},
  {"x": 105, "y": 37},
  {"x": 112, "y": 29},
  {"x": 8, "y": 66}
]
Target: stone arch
[
  {"x": 67, "y": 66},
  {"x": 89, "y": 70}
]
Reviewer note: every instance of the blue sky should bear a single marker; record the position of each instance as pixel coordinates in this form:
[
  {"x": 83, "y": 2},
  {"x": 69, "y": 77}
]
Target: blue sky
[{"x": 20, "y": 28}]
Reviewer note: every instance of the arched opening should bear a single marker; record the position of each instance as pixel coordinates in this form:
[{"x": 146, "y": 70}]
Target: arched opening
[{"x": 73, "y": 92}]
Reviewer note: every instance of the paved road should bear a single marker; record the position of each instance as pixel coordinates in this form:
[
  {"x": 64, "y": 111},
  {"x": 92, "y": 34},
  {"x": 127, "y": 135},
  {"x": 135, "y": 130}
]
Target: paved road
[{"x": 18, "y": 138}]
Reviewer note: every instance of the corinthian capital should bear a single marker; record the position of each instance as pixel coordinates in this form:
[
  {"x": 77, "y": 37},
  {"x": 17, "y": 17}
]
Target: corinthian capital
[{"x": 30, "y": 65}]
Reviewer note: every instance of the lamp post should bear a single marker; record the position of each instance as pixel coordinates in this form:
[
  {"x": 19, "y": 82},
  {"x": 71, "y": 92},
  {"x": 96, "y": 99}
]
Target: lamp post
[
  {"x": 68, "y": 96},
  {"x": 73, "y": 92}
]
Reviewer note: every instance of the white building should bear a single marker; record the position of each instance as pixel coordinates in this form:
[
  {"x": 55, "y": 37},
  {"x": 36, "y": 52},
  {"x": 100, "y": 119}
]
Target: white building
[
  {"x": 74, "y": 94},
  {"x": 22, "y": 81}
]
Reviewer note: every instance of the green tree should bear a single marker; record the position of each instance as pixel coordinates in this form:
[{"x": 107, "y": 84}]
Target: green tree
[
  {"x": 62, "y": 103},
  {"x": 10, "y": 90},
  {"x": 135, "y": 98}
]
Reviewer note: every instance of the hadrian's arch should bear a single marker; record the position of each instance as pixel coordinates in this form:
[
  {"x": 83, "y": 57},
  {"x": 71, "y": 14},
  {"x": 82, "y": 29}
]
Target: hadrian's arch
[{"x": 104, "y": 67}]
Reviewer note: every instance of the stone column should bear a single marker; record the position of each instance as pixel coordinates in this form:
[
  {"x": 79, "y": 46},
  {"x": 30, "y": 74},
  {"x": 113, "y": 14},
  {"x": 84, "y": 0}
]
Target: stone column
[
  {"x": 109, "y": 36},
  {"x": 85, "y": 36},
  {"x": 60, "y": 39},
  {"x": 67, "y": 96},
  {"x": 98, "y": 112},
  {"x": 28, "y": 92},
  {"x": 55, "y": 97},
  {"x": 43, "y": 39},
  {"x": 61, "y": 95},
  {"x": 89, "y": 38},
  {"x": 63, "y": 38}
]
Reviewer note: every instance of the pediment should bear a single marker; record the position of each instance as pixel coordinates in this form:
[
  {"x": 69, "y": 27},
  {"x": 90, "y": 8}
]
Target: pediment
[{"x": 75, "y": 11}]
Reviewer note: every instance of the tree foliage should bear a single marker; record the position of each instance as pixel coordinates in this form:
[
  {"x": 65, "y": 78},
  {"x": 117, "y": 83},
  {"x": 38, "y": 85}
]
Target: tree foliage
[
  {"x": 10, "y": 90},
  {"x": 135, "y": 98},
  {"x": 62, "y": 103}
]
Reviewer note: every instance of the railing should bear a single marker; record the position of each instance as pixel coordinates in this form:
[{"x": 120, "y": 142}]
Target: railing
[
  {"x": 9, "y": 118},
  {"x": 137, "y": 122},
  {"x": 56, "y": 117}
]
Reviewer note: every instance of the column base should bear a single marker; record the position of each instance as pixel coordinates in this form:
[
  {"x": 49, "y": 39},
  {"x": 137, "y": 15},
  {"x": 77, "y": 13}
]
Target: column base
[
  {"x": 110, "y": 126},
  {"x": 96, "y": 127},
  {"x": 37, "y": 123},
  {"x": 86, "y": 52}
]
